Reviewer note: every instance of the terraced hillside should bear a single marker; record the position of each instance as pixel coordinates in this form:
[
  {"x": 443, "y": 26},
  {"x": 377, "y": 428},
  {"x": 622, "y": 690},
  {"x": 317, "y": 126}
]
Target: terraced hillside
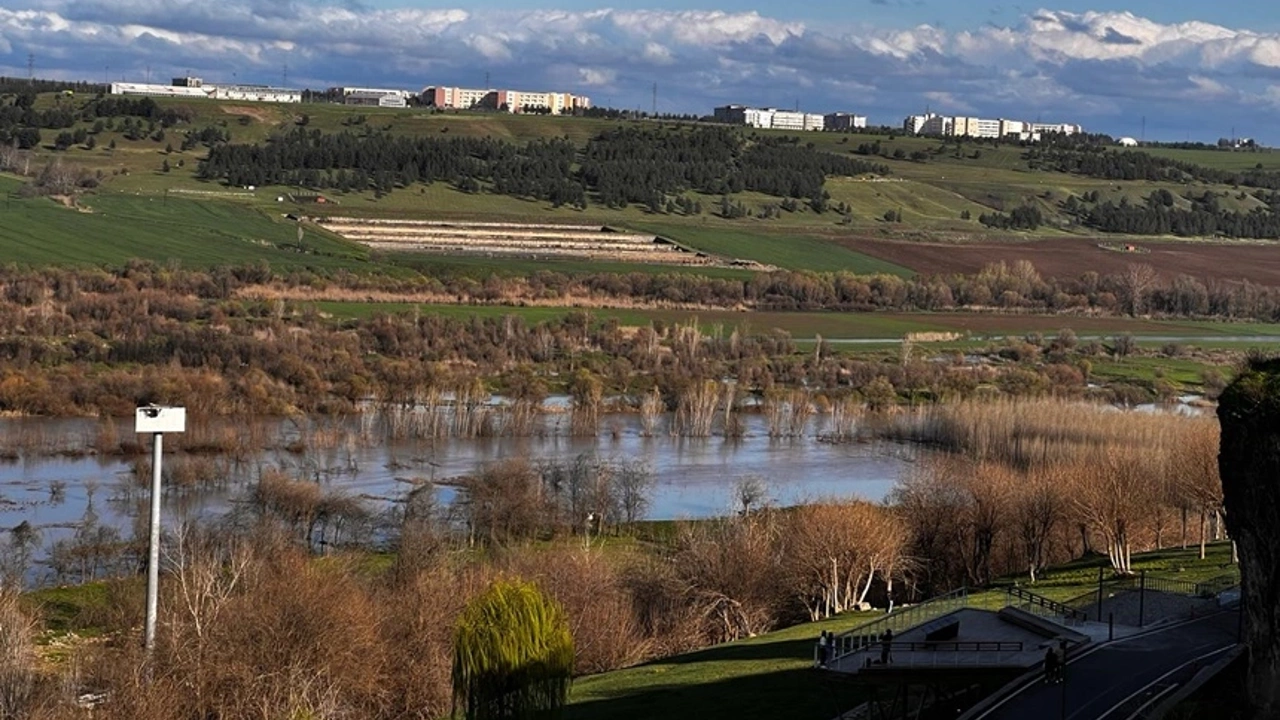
[{"x": 498, "y": 239}]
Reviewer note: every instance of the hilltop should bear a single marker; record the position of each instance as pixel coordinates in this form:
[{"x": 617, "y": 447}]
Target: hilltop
[{"x": 888, "y": 203}]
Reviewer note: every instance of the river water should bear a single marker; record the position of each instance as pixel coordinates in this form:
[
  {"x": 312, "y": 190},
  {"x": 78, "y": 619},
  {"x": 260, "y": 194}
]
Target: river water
[{"x": 51, "y": 488}]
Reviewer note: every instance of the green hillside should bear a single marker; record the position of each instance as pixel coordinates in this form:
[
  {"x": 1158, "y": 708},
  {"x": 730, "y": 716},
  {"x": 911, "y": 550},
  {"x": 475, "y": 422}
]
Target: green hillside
[{"x": 149, "y": 195}]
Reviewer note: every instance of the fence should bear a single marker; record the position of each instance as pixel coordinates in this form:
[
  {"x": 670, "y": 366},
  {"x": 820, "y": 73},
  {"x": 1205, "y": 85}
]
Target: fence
[
  {"x": 946, "y": 653},
  {"x": 1144, "y": 581},
  {"x": 864, "y": 635},
  {"x": 1044, "y": 607}
]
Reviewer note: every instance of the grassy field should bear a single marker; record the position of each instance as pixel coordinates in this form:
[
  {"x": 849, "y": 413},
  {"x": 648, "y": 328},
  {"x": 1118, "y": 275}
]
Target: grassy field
[
  {"x": 111, "y": 228},
  {"x": 762, "y": 676},
  {"x": 1221, "y": 159}
]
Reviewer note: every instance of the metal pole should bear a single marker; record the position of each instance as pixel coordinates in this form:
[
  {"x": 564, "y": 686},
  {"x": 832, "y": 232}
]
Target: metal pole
[
  {"x": 1111, "y": 626},
  {"x": 1099, "y": 593},
  {"x": 1063, "y": 681},
  {"x": 153, "y": 560},
  {"x": 1142, "y": 595}
]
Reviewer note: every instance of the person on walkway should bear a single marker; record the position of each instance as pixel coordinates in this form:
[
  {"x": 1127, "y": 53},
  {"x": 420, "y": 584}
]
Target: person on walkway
[
  {"x": 1051, "y": 665},
  {"x": 822, "y": 649},
  {"x": 886, "y": 642}
]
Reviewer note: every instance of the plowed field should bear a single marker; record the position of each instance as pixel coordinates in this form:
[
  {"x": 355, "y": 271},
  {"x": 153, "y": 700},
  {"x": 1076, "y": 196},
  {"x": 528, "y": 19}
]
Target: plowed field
[{"x": 1070, "y": 257}]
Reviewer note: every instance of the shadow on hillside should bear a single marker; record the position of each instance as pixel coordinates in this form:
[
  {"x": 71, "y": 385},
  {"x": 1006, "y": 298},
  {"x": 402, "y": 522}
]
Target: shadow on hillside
[
  {"x": 802, "y": 694},
  {"x": 799, "y": 649}
]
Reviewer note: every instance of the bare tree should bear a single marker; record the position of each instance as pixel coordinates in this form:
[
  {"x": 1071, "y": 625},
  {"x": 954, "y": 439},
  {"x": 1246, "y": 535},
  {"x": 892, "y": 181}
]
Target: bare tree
[
  {"x": 836, "y": 550},
  {"x": 750, "y": 493},
  {"x": 633, "y": 483},
  {"x": 1137, "y": 280}
]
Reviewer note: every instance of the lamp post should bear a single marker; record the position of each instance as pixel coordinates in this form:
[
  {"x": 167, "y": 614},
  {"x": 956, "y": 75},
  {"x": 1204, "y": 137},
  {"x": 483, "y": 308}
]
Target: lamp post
[{"x": 157, "y": 421}]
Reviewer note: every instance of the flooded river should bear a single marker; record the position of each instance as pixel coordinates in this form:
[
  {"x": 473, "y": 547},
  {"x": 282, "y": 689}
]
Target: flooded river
[{"x": 694, "y": 478}]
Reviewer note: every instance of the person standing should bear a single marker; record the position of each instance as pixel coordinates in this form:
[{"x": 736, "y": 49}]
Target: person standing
[
  {"x": 1051, "y": 665},
  {"x": 886, "y": 643}
]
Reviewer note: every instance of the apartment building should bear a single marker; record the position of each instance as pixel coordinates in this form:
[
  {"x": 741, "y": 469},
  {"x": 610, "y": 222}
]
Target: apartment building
[
  {"x": 515, "y": 101},
  {"x": 843, "y": 121},
  {"x": 769, "y": 118},
  {"x": 975, "y": 127}
]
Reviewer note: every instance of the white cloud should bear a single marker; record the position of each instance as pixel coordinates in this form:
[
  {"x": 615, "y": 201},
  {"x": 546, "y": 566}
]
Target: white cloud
[
  {"x": 596, "y": 77},
  {"x": 1092, "y": 67}
]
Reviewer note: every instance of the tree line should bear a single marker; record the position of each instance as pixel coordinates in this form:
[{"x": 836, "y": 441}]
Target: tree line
[
  {"x": 619, "y": 166},
  {"x": 1204, "y": 218},
  {"x": 1092, "y": 160}
]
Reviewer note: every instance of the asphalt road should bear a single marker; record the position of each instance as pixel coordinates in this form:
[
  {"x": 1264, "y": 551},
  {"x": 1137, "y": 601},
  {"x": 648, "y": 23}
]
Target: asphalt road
[{"x": 1115, "y": 681}]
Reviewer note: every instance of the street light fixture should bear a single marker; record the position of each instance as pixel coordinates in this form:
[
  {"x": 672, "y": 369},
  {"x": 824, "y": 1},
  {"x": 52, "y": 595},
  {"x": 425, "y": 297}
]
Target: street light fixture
[{"x": 156, "y": 420}]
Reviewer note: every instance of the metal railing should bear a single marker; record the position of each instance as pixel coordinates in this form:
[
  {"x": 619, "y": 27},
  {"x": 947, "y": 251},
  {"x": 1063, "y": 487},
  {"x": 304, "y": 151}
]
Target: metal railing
[
  {"x": 899, "y": 620},
  {"x": 1145, "y": 581},
  {"x": 1215, "y": 585},
  {"x": 921, "y": 653},
  {"x": 1042, "y": 606}
]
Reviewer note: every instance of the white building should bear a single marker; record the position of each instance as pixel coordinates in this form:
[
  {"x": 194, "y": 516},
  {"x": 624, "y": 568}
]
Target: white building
[
  {"x": 788, "y": 120},
  {"x": 347, "y": 91},
  {"x": 1013, "y": 127},
  {"x": 515, "y": 101},
  {"x": 375, "y": 98},
  {"x": 975, "y": 127},
  {"x": 769, "y": 118},
  {"x": 194, "y": 89},
  {"x": 937, "y": 125},
  {"x": 256, "y": 93},
  {"x": 1063, "y": 128},
  {"x": 843, "y": 121},
  {"x": 152, "y": 90}
]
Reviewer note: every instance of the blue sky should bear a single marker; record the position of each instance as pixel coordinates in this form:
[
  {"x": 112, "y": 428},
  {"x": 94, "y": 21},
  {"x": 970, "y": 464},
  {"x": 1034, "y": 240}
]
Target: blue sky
[{"x": 1193, "y": 70}]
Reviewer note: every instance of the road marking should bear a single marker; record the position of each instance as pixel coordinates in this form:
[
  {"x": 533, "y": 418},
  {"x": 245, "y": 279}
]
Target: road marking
[{"x": 1143, "y": 689}]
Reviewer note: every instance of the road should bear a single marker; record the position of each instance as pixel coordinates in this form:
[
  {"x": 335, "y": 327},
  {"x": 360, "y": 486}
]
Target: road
[{"x": 1116, "y": 680}]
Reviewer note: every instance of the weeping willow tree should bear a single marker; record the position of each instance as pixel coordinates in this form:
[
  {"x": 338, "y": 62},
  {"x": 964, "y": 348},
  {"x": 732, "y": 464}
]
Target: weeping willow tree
[{"x": 512, "y": 654}]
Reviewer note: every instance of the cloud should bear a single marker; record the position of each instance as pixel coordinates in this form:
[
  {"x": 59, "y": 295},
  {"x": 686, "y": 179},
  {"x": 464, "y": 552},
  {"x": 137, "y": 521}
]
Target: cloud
[{"x": 1098, "y": 68}]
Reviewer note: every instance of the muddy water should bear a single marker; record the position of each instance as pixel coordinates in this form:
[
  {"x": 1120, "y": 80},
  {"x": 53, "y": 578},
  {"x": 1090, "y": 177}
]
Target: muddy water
[{"x": 693, "y": 477}]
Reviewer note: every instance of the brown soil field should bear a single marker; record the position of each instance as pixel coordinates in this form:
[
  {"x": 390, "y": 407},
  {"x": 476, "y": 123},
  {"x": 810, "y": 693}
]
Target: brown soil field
[{"x": 1071, "y": 257}]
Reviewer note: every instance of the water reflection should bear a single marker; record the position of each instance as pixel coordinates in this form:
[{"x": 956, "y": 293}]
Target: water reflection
[{"x": 53, "y": 483}]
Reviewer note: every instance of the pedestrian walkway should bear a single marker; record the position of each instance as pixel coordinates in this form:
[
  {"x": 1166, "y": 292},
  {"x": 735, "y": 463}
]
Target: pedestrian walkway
[{"x": 969, "y": 638}]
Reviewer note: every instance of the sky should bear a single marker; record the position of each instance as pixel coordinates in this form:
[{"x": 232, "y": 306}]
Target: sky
[{"x": 1181, "y": 70}]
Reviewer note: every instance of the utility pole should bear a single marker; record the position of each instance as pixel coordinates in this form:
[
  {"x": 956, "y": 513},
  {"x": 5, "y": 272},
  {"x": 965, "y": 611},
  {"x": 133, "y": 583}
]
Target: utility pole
[
  {"x": 486, "y": 79},
  {"x": 148, "y": 73},
  {"x": 1143, "y": 136},
  {"x": 31, "y": 68},
  {"x": 284, "y": 76},
  {"x": 157, "y": 421}
]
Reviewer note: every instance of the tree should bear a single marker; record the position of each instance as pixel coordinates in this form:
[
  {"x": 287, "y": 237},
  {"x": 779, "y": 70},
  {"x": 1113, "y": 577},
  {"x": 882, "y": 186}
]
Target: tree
[
  {"x": 512, "y": 654},
  {"x": 1249, "y": 461}
]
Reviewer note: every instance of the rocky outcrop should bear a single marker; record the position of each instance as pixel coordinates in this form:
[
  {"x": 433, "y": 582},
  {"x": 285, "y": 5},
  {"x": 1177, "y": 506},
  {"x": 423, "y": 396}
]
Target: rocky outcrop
[{"x": 1249, "y": 463}]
